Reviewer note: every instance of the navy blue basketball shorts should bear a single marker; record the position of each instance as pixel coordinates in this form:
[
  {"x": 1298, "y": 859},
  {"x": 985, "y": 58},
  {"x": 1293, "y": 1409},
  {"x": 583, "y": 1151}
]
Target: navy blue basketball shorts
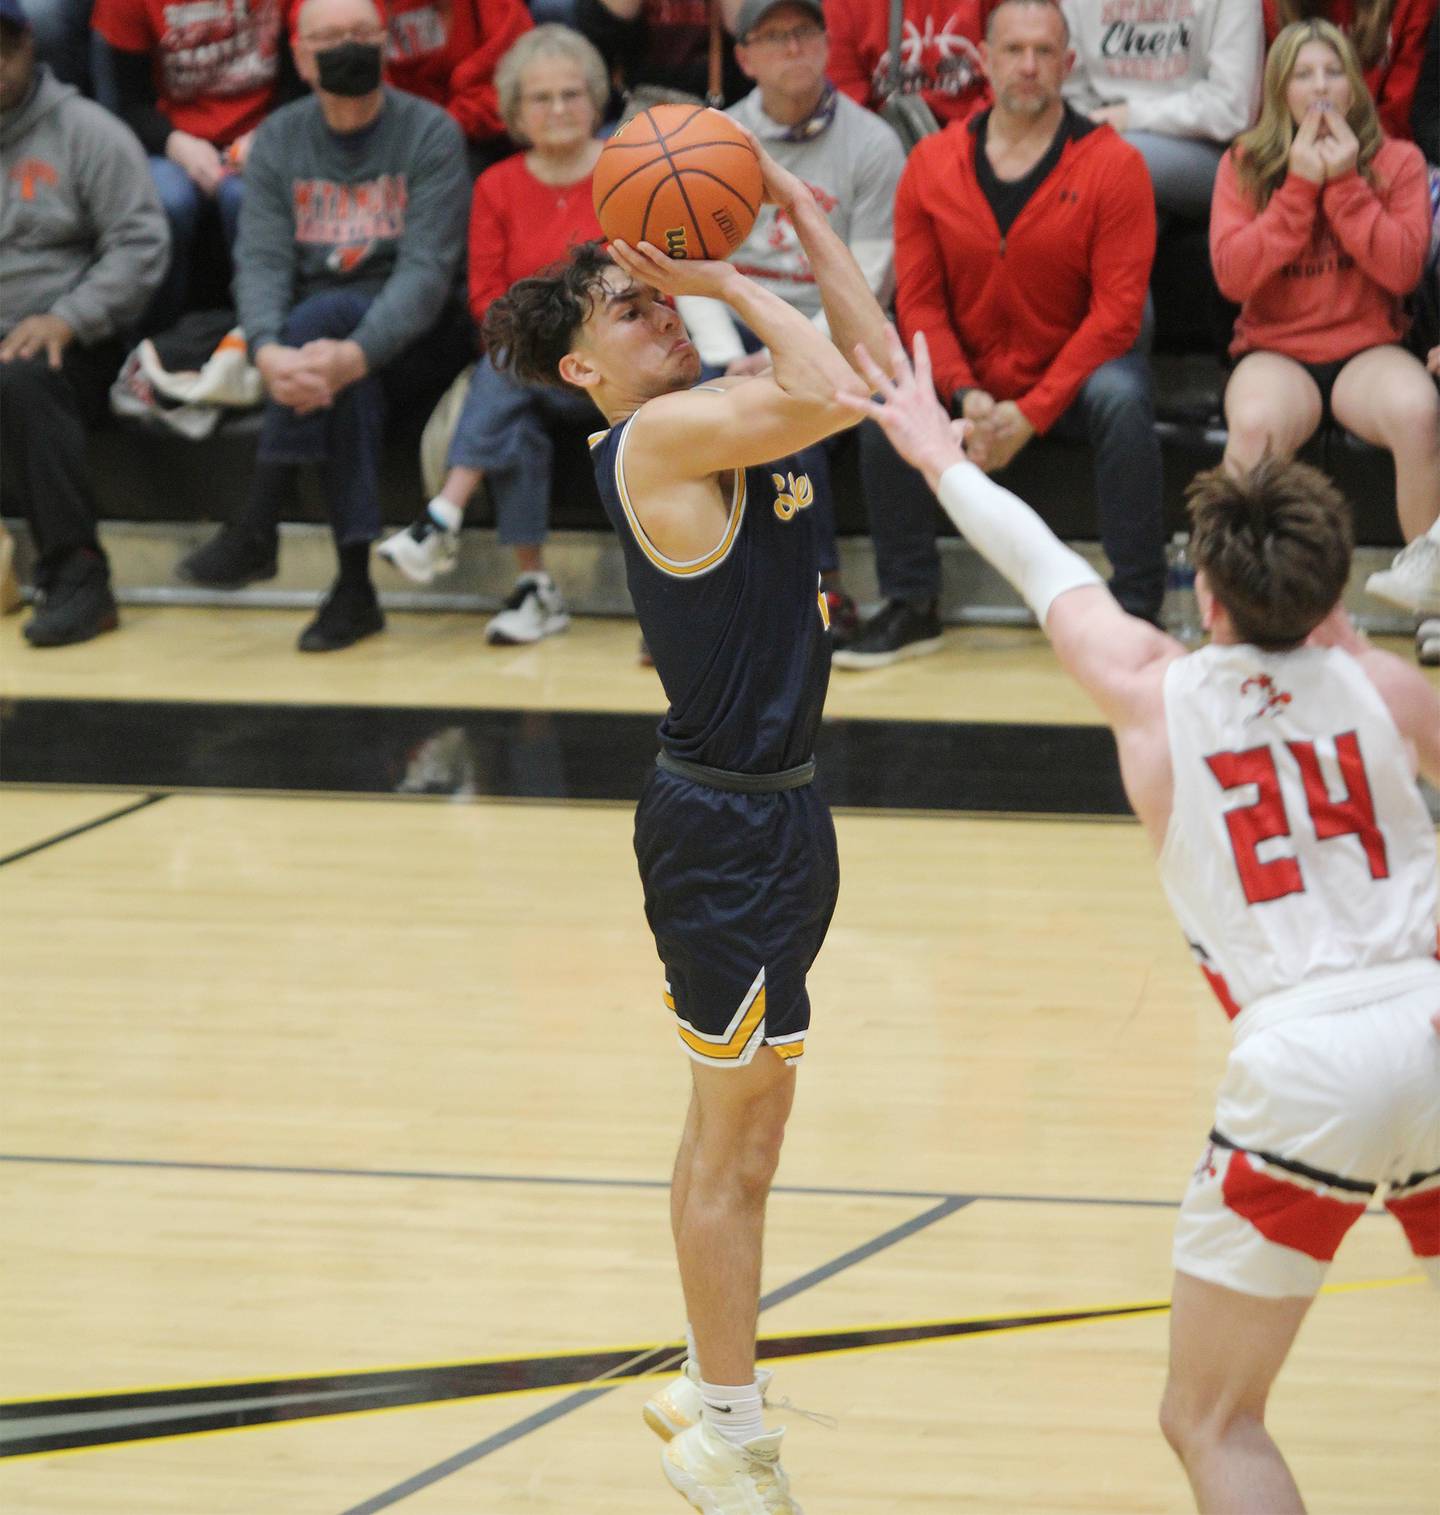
[{"x": 739, "y": 891}]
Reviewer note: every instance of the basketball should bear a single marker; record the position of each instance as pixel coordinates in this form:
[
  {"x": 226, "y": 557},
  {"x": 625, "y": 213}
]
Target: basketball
[{"x": 682, "y": 177}]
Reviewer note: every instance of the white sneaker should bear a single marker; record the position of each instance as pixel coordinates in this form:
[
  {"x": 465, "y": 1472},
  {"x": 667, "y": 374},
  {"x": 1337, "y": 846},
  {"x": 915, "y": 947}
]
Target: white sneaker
[
  {"x": 1412, "y": 581},
  {"x": 534, "y": 610},
  {"x": 676, "y": 1406},
  {"x": 423, "y": 550},
  {"x": 1427, "y": 643},
  {"x": 719, "y": 1478}
]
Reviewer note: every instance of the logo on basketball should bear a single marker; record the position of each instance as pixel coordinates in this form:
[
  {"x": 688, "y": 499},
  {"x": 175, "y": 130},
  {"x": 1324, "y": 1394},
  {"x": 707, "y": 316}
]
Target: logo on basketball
[
  {"x": 675, "y": 244},
  {"x": 792, "y": 493}
]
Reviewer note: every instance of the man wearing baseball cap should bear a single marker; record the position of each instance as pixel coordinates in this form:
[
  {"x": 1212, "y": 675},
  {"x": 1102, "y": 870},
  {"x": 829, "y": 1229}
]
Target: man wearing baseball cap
[{"x": 83, "y": 245}]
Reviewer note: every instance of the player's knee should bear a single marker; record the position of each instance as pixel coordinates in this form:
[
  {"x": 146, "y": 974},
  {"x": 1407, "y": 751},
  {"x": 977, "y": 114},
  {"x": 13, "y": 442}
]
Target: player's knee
[{"x": 1194, "y": 1423}]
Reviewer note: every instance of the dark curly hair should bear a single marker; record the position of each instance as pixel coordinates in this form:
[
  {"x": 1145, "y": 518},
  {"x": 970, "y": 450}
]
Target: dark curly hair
[
  {"x": 533, "y": 324},
  {"x": 1275, "y": 545}
]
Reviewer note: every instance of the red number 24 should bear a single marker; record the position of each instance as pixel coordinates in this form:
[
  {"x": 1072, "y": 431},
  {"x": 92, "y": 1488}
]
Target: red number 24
[{"x": 1249, "y": 825}]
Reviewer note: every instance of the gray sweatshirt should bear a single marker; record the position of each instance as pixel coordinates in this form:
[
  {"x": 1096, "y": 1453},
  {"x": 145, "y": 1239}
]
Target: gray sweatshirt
[
  {"x": 382, "y": 210},
  {"x": 852, "y": 168},
  {"x": 82, "y": 235}
]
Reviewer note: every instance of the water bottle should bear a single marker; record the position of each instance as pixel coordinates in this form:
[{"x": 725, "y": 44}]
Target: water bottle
[{"x": 1182, "y": 613}]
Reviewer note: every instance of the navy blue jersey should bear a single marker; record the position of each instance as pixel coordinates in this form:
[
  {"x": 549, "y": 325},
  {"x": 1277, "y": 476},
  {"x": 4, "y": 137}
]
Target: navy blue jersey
[{"x": 740, "y": 636}]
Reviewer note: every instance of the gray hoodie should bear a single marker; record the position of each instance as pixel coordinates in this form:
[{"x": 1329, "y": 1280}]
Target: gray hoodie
[{"x": 82, "y": 235}]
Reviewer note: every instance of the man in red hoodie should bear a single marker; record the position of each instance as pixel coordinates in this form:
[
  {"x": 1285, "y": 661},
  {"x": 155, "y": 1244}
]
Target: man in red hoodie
[{"x": 1023, "y": 245}]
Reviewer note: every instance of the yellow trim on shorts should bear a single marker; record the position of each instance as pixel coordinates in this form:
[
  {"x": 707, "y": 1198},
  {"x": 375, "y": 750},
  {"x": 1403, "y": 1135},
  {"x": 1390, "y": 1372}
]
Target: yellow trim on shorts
[{"x": 674, "y": 566}]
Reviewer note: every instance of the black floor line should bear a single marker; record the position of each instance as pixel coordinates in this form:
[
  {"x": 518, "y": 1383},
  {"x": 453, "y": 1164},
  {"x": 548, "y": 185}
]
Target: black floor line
[
  {"x": 927, "y": 766},
  {"x": 510, "y": 1434},
  {"x": 565, "y": 1181},
  {"x": 74, "y": 831}
]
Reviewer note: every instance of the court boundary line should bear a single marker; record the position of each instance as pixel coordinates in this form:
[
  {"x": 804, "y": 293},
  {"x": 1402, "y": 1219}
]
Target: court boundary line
[
  {"x": 427, "y": 1477},
  {"x": 572, "y": 1181},
  {"x": 863, "y": 812},
  {"x": 144, "y": 803}
]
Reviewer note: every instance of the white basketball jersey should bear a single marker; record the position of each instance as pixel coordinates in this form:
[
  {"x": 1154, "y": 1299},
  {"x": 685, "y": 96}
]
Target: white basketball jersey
[{"x": 1299, "y": 845}]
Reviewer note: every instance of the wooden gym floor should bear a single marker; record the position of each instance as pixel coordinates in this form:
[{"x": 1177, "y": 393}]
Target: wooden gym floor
[{"x": 336, "y": 1115}]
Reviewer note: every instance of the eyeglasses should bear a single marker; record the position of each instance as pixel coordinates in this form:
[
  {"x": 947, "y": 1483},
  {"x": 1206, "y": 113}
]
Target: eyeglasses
[
  {"x": 801, "y": 36},
  {"x": 544, "y": 99},
  {"x": 334, "y": 37}
]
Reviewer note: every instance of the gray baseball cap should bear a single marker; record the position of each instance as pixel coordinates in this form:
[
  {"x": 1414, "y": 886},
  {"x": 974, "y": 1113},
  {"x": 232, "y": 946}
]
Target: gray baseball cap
[{"x": 753, "y": 12}]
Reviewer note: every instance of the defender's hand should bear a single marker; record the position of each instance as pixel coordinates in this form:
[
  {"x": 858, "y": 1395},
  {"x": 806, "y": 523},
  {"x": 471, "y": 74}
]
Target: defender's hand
[{"x": 911, "y": 414}]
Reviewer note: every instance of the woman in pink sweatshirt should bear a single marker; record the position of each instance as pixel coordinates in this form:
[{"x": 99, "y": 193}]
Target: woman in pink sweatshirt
[{"x": 1319, "y": 229}]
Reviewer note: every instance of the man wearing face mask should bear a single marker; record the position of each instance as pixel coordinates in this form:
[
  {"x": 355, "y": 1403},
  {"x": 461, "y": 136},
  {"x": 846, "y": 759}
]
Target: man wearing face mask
[{"x": 350, "y": 244}]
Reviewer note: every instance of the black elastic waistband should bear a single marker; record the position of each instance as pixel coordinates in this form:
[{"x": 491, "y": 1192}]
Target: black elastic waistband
[{"x": 738, "y": 783}]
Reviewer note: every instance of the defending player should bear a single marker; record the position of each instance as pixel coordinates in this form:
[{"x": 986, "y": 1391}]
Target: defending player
[
  {"x": 1274, "y": 771},
  {"x": 736, "y": 850}
]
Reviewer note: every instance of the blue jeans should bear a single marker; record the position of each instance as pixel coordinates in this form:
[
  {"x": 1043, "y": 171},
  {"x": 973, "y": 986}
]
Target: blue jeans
[
  {"x": 346, "y": 439},
  {"x": 507, "y": 430},
  {"x": 1182, "y": 169},
  {"x": 1115, "y": 413},
  {"x": 185, "y": 205}
]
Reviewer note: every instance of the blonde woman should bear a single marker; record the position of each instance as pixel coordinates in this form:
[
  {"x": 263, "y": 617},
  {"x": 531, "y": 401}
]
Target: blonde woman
[{"x": 1319, "y": 229}]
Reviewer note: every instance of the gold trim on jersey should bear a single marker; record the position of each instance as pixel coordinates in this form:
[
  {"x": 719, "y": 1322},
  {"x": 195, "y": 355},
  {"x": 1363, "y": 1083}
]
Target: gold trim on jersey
[
  {"x": 736, "y": 1044},
  {"x": 675, "y": 567}
]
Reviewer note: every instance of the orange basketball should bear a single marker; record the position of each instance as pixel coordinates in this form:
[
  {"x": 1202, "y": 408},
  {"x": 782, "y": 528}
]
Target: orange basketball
[{"x": 683, "y": 177}]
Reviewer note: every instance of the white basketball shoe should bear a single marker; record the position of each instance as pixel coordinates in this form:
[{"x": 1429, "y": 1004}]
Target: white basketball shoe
[
  {"x": 534, "y": 610},
  {"x": 423, "y": 550},
  {"x": 1412, "y": 581},
  {"x": 1427, "y": 643},
  {"x": 676, "y": 1405},
  {"x": 720, "y": 1478}
]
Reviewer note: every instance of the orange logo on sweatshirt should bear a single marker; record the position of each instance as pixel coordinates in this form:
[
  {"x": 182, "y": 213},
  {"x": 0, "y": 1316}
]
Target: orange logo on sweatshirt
[{"x": 31, "y": 174}]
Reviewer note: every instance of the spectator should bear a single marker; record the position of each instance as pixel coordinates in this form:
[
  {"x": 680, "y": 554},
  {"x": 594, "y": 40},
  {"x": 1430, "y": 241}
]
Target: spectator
[
  {"x": 350, "y": 242},
  {"x": 447, "y": 51},
  {"x": 663, "y": 44},
  {"x": 940, "y": 58},
  {"x": 1388, "y": 37},
  {"x": 526, "y": 212},
  {"x": 1181, "y": 80},
  {"x": 193, "y": 81},
  {"x": 850, "y": 161},
  {"x": 1319, "y": 229},
  {"x": 82, "y": 247},
  {"x": 1023, "y": 244}
]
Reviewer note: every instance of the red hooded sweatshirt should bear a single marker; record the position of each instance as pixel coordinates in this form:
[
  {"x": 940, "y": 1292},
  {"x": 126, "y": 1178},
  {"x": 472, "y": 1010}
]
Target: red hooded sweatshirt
[
  {"x": 1393, "y": 80},
  {"x": 1320, "y": 273},
  {"x": 1030, "y": 316},
  {"x": 939, "y": 53},
  {"x": 446, "y": 51}
]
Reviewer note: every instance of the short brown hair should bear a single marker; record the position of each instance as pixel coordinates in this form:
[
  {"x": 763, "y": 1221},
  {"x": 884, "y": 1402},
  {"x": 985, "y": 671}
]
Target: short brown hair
[
  {"x": 1053, "y": 5},
  {"x": 1274, "y": 544},
  {"x": 534, "y": 323}
]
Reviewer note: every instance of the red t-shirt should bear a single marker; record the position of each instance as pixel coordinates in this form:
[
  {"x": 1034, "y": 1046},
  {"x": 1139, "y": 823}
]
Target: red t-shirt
[
  {"x": 446, "y": 51},
  {"x": 939, "y": 53},
  {"x": 216, "y": 61},
  {"x": 1321, "y": 272},
  {"x": 518, "y": 225},
  {"x": 1393, "y": 80}
]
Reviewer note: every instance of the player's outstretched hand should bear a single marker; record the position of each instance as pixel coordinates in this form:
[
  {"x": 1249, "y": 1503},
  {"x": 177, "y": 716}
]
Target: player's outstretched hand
[
  {"x": 908, "y": 411},
  {"x": 646, "y": 264}
]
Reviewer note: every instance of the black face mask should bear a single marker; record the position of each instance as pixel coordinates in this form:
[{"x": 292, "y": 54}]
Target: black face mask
[{"x": 349, "y": 69}]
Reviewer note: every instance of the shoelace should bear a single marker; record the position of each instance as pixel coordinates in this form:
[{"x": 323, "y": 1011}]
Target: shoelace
[{"x": 829, "y": 1422}]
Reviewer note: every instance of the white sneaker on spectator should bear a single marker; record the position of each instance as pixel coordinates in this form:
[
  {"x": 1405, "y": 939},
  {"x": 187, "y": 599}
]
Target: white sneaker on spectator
[
  {"x": 676, "y": 1405},
  {"x": 1412, "y": 581},
  {"x": 534, "y": 610},
  {"x": 721, "y": 1478},
  {"x": 423, "y": 550},
  {"x": 1427, "y": 643}
]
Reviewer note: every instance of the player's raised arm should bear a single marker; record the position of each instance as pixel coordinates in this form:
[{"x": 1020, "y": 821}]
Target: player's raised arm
[
  {"x": 1100, "y": 646},
  {"x": 751, "y": 420}
]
